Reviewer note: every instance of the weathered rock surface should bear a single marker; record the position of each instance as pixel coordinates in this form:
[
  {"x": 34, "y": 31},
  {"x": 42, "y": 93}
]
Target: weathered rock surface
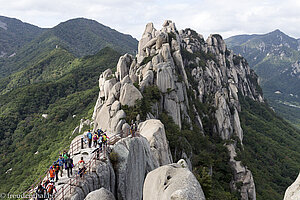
[
  {"x": 241, "y": 175},
  {"x": 185, "y": 68},
  {"x": 102, "y": 176},
  {"x": 293, "y": 191},
  {"x": 101, "y": 194},
  {"x": 129, "y": 95},
  {"x": 172, "y": 182},
  {"x": 134, "y": 161},
  {"x": 123, "y": 66},
  {"x": 154, "y": 131}
]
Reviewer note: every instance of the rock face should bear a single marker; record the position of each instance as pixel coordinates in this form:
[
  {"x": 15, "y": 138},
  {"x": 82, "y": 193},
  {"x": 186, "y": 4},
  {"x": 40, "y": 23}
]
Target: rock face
[
  {"x": 293, "y": 191},
  {"x": 101, "y": 194},
  {"x": 135, "y": 160},
  {"x": 172, "y": 182},
  {"x": 154, "y": 131},
  {"x": 241, "y": 175},
  {"x": 129, "y": 94},
  {"x": 185, "y": 69},
  {"x": 103, "y": 176}
]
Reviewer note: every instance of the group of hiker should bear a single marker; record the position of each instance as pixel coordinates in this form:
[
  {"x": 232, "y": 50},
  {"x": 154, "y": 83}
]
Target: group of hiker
[
  {"x": 63, "y": 162},
  {"x": 98, "y": 138},
  {"x": 47, "y": 188}
]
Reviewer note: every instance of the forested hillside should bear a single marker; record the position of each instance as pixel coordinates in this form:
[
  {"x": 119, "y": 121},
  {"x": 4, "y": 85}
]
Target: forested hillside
[
  {"x": 275, "y": 58},
  {"x": 15, "y": 34},
  {"x": 80, "y": 37},
  {"x": 23, "y": 129}
]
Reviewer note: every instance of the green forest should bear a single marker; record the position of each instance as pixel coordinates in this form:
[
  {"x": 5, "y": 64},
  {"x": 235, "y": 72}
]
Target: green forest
[{"x": 23, "y": 130}]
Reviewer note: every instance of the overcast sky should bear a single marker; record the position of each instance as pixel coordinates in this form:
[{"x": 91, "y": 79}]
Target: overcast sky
[{"x": 226, "y": 17}]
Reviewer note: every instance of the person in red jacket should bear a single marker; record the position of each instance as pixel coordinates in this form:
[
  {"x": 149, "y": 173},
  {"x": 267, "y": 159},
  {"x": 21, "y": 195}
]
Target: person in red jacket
[
  {"x": 52, "y": 173},
  {"x": 81, "y": 167},
  {"x": 50, "y": 189}
]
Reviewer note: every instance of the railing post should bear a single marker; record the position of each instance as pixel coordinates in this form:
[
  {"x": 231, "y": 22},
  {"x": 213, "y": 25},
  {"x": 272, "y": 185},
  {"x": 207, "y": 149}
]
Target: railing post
[
  {"x": 82, "y": 143},
  {"x": 104, "y": 148},
  {"x": 63, "y": 191},
  {"x": 70, "y": 186}
]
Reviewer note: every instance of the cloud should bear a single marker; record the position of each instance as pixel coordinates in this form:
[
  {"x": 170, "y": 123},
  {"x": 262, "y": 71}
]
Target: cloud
[{"x": 227, "y": 18}]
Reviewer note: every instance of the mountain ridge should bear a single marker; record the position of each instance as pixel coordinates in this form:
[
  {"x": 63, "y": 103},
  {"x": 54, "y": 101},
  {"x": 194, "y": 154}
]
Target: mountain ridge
[
  {"x": 79, "y": 36},
  {"x": 207, "y": 98},
  {"x": 274, "y": 56},
  {"x": 15, "y": 34}
]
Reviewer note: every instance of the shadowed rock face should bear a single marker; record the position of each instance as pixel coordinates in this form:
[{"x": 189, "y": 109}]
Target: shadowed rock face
[
  {"x": 154, "y": 131},
  {"x": 173, "y": 181},
  {"x": 135, "y": 160}
]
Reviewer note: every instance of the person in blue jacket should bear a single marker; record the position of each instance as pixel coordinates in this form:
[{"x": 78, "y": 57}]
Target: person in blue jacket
[
  {"x": 61, "y": 162},
  {"x": 89, "y": 136}
]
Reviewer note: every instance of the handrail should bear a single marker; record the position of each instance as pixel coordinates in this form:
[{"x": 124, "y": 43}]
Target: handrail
[
  {"x": 78, "y": 144},
  {"x": 92, "y": 161},
  {"x": 31, "y": 189}
]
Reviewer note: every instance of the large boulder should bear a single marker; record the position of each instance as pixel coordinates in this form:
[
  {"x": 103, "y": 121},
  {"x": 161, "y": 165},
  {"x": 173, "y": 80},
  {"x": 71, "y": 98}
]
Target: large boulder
[
  {"x": 129, "y": 94},
  {"x": 293, "y": 192},
  {"x": 102, "y": 176},
  {"x": 173, "y": 181},
  {"x": 146, "y": 37},
  {"x": 101, "y": 194},
  {"x": 134, "y": 161},
  {"x": 154, "y": 131},
  {"x": 123, "y": 66}
]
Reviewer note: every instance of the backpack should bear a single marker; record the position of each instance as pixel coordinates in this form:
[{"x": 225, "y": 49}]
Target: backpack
[
  {"x": 104, "y": 138},
  {"x": 52, "y": 172},
  {"x": 95, "y": 137},
  {"x": 56, "y": 167},
  {"x": 89, "y": 135},
  {"x": 50, "y": 189}
]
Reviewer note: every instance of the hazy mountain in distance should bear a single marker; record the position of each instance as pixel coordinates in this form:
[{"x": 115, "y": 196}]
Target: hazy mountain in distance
[
  {"x": 275, "y": 57},
  {"x": 14, "y": 34}
]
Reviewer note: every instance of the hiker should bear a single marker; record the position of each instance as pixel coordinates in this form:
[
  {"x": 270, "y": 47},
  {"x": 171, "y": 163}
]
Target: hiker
[
  {"x": 61, "y": 162},
  {"x": 132, "y": 129},
  {"x": 100, "y": 142},
  {"x": 81, "y": 167},
  {"x": 56, "y": 169},
  {"x": 52, "y": 173},
  {"x": 65, "y": 155},
  {"x": 95, "y": 139},
  {"x": 45, "y": 183},
  {"x": 89, "y": 136},
  {"x": 99, "y": 132},
  {"x": 41, "y": 192},
  {"x": 104, "y": 139},
  {"x": 69, "y": 165},
  {"x": 50, "y": 189}
]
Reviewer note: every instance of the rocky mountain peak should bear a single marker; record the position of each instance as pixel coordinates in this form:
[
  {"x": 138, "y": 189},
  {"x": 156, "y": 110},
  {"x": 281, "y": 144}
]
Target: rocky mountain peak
[
  {"x": 183, "y": 69},
  {"x": 276, "y": 32}
]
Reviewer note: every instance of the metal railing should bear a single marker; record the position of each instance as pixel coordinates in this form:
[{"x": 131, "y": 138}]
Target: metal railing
[
  {"x": 73, "y": 147},
  {"x": 67, "y": 188},
  {"x": 74, "y": 181}
]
